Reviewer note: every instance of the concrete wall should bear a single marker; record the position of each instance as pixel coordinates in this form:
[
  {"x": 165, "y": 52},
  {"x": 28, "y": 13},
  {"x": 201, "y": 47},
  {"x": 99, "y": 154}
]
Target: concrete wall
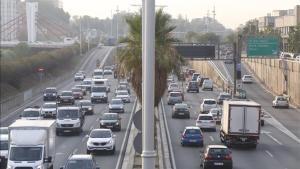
[{"x": 271, "y": 74}]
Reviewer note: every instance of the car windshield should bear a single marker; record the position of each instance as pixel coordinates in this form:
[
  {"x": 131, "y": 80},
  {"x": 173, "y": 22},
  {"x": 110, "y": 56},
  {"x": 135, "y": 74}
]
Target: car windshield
[
  {"x": 25, "y": 153},
  {"x": 122, "y": 93},
  {"x": 175, "y": 94},
  {"x": 116, "y": 101},
  {"x": 3, "y": 145},
  {"x": 122, "y": 87},
  {"x": 192, "y": 131},
  {"x": 193, "y": 84},
  {"x": 86, "y": 103},
  {"x": 98, "y": 73},
  {"x": 174, "y": 85},
  {"x": 3, "y": 130},
  {"x": 218, "y": 151},
  {"x": 99, "y": 89},
  {"x": 79, "y": 164},
  {"x": 110, "y": 117},
  {"x": 100, "y": 134},
  {"x": 86, "y": 82},
  {"x": 205, "y": 118},
  {"x": 30, "y": 114},
  {"x": 78, "y": 74},
  {"x": 209, "y": 102},
  {"x": 50, "y": 90},
  {"x": 281, "y": 99},
  {"x": 101, "y": 82},
  {"x": 67, "y": 114},
  {"x": 49, "y": 106},
  {"x": 76, "y": 90},
  {"x": 66, "y": 94},
  {"x": 248, "y": 76}
]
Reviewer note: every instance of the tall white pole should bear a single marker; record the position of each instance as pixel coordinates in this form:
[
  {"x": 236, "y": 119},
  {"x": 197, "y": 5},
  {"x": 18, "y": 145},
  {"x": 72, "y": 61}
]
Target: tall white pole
[
  {"x": 117, "y": 18},
  {"x": 148, "y": 154},
  {"x": 80, "y": 38}
]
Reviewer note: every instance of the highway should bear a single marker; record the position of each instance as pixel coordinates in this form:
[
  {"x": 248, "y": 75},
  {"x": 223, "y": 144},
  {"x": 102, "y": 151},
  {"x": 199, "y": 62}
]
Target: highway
[
  {"x": 276, "y": 150},
  {"x": 68, "y": 145}
]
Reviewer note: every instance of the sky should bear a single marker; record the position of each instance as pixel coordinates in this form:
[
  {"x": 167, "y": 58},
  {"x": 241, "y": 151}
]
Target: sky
[{"x": 231, "y": 13}]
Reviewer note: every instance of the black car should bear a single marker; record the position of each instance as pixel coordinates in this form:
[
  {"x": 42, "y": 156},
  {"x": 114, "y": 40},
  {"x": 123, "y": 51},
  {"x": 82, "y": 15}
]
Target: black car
[
  {"x": 192, "y": 87},
  {"x": 222, "y": 97},
  {"x": 181, "y": 110},
  {"x": 216, "y": 156},
  {"x": 86, "y": 106},
  {"x": 111, "y": 121},
  {"x": 50, "y": 94},
  {"x": 66, "y": 97}
]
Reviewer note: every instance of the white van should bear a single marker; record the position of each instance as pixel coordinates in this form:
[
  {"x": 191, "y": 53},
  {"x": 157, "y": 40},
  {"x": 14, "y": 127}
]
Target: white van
[
  {"x": 101, "y": 82},
  {"x": 207, "y": 84},
  {"x": 98, "y": 74}
]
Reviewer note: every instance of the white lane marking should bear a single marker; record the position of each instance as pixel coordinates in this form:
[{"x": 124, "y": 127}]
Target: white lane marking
[
  {"x": 270, "y": 154},
  {"x": 265, "y": 132},
  {"x": 75, "y": 151},
  {"x": 280, "y": 127},
  {"x": 211, "y": 138},
  {"x": 273, "y": 138}
]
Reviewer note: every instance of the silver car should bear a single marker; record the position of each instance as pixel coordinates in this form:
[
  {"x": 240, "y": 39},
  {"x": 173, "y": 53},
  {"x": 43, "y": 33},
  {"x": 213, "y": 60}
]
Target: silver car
[
  {"x": 280, "y": 101},
  {"x": 174, "y": 97}
]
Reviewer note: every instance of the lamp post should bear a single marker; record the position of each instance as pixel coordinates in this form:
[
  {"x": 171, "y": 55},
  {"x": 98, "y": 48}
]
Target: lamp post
[{"x": 148, "y": 154}]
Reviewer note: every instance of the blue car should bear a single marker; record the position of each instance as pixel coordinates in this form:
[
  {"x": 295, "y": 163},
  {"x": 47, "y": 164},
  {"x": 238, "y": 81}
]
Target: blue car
[{"x": 192, "y": 136}]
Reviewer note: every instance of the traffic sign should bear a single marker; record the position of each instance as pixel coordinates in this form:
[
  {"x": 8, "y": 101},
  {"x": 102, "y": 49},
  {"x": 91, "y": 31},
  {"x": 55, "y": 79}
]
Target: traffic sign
[
  {"x": 262, "y": 46},
  {"x": 137, "y": 143},
  {"x": 137, "y": 119}
]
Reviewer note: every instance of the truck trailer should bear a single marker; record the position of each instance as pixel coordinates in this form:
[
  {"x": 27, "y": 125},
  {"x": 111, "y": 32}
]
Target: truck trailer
[{"x": 240, "y": 123}]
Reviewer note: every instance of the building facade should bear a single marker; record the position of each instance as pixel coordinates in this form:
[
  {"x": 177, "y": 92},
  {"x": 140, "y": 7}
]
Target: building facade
[
  {"x": 266, "y": 22},
  {"x": 9, "y": 23}
]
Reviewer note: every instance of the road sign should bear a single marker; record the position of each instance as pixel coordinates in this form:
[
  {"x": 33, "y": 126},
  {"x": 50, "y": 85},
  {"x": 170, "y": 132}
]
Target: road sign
[
  {"x": 192, "y": 51},
  {"x": 137, "y": 143},
  {"x": 137, "y": 119},
  {"x": 267, "y": 46}
]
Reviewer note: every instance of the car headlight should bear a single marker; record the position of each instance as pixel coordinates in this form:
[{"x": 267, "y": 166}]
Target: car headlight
[
  {"x": 39, "y": 167},
  {"x": 90, "y": 108},
  {"x": 45, "y": 95},
  {"x": 110, "y": 141},
  {"x": 117, "y": 123},
  {"x": 77, "y": 124},
  {"x": 102, "y": 123},
  {"x": 9, "y": 167}
]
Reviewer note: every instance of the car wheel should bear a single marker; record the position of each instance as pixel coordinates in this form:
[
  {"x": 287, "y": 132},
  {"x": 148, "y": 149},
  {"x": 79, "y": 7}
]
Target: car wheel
[
  {"x": 113, "y": 150},
  {"x": 88, "y": 152}
]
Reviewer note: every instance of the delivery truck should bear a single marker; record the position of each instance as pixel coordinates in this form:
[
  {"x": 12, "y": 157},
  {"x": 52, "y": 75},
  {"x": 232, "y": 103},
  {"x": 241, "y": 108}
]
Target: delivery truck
[
  {"x": 240, "y": 123},
  {"x": 31, "y": 144}
]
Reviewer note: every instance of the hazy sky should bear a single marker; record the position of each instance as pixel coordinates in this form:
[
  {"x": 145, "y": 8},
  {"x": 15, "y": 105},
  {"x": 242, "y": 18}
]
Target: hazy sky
[{"x": 231, "y": 13}]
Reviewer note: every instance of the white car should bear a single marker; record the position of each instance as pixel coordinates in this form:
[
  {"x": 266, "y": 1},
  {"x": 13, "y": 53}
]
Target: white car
[
  {"x": 206, "y": 121},
  {"x": 208, "y": 84},
  {"x": 207, "y": 104},
  {"x": 280, "y": 101},
  {"x": 172, "y": 87},
  {"x": 32, "y": 113},
  {"x": 101, "y": 140},
  {"x": 217, "y": 114},
  {"x": 247, "y": 79},
  {"x": 49, "y": 109},
  {"x": 78, "y": 77},
  {"x": 116, "y": 106},
  {"x": 123, "y": 95}
]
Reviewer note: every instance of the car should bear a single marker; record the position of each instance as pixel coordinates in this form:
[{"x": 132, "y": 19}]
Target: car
[
  {"x": 78, "y": 76},
  {"x": 217, "y": 114},
  {"x": 50, "y": 94},
  {"x": 101, "y": 140},
  {"x": 247, "y": 79},
  {"x": 111, "y": 121},
  {"x": 66, "y": 97},
  {"x": 31, "y": 113},
  {"x": 181, "y": 110},
  {"x": 170, "y": 79},
  {"x": 182, "y": 94},
  {"x": 86, "y": 106},
  {"x": 174, "y": 97},
  {"x": 98, "y": 74},
  {"x": 82, "y": 87},
  {"x": 123, "y": 95},
  {"x": 107, "y": 72},
  {"x": 207, "y": 104},
  {"x": 195, "y": 76},
  {"x": 3, "y": 149},
  {"x": 216, "y": 156},
  {"x": 280, "y": 101},
  {"x": 80, "y": 161},
  {"x": 49, "y": 109},
  {"x": 202, "y": 81},
  {"x": 192, "y": 136},
  {"x": 122, "y": 87},
  {"x": 191, "y": 72},
  {"x": 223, "y": 96},
  {"x": 82, "y": 72},
  {"x": 206, "y": 121},
  {"x": 192, "y": 86},
  {"x": 87, "y": 83},
  {"x": 77, "y": 93},
  {"x": 116, "y": 106},
  {"x": 208, "y": 84},
  {"x": 99, "y": 94},
  {"x": 172, "y": 87},
  {"x": 101, "y": 82}
]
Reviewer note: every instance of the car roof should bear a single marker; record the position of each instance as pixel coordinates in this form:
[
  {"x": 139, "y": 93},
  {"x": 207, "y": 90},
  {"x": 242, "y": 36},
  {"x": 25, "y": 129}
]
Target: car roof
[
  {"x": 66, "y": 91},
  {"x": 81, "y": 157},
  {"x": 101, "y": 129},
  {"x": 81, "y": 101},
  {"x": 175, "y": 92},
  {"x": 216, "y": 146},
  {"x": 205, "y": 115},
  {"x": 87, "y": 79},
  {"x": 3, "y": 137},
  {"x": 180, "y": 105},
  {"x": 68, "y": 108},
  {"x": 192, "y": 127},
  {"x": 32, "y": 109},
  {"x": 122, "y": 91},
  {"x": 224, "y": 93},
  {"x": 117, "y": 98},
  {"x": 110, "y": 114},
  {"x": 51, "y": 88},
  {"x": 209, "y": 99},
  {"x": 50, "y": 103}
]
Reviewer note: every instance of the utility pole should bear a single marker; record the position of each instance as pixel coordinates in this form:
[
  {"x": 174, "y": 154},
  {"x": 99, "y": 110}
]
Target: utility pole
[
  {"x": 88, "y": 34},
  {"x": 234, "y": 67},
  {"x": 111, "y": 24},
  {"x": 117, "y": 18},
  {"x": 80, "y": 38},
  {"x": 148, "y": 154}
]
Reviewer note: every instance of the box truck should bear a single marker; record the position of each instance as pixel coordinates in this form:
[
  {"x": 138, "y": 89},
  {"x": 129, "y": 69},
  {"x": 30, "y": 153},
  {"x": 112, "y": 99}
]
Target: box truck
[
  {"x": 31, "y": 144},
  {"x": 240, "y": 123}
]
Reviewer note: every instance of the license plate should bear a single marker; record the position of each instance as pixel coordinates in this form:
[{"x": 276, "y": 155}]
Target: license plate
[
  {"x": 181, "y": 113},
  {"x": 193, "y": 141},
  {"x": 243, "y": 139},
  {"x": 67, "y": 131},
  {"x": 218, "y": 164},
  {"x": 109, "y": 126}
]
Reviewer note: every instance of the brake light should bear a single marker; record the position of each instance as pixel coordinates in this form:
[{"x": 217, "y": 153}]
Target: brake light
[
  {"x": 208, "y": 157},
  {"x": 227, "y": 157}
]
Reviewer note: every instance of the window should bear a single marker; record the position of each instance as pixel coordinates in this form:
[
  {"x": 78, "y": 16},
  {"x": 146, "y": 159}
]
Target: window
[{"x": 205, "y": 118}]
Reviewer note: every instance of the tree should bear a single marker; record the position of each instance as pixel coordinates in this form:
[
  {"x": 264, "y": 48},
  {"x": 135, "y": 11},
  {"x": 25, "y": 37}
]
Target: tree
[
  {"x": 294, "y": 40},
  {"x": 166, "y": 57}
]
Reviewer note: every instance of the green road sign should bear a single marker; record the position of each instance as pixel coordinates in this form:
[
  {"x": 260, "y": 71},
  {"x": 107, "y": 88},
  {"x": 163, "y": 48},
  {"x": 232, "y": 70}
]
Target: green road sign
[{"x": 262, "y": 46}]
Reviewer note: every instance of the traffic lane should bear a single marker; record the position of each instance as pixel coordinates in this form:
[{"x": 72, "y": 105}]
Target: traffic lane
[{"x": 69, "y": 84}]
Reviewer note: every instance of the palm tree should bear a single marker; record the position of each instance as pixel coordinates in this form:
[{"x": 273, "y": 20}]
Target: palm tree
[{"x": 166, "y": 57}]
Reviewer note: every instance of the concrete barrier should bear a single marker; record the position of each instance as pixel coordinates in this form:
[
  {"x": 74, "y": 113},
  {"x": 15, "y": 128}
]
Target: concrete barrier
[{"x": 272, "y": 74}]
